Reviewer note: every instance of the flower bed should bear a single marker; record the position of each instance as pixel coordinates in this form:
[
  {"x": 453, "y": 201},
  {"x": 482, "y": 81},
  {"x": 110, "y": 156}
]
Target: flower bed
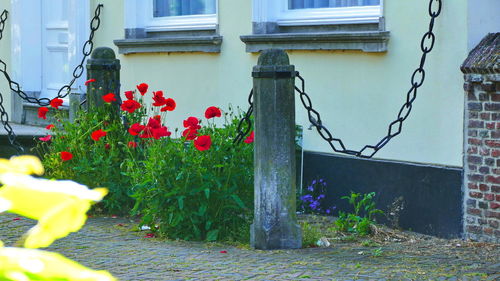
[{"x": 193, "y": 185}]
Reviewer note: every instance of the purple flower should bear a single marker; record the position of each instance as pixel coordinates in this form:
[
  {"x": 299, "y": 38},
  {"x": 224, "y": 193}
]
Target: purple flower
[
  {"x": 328, "y": 211},
  {"x": 307, "y": 197},
  {"x": 310, "y": 188},
  {"x": 320, "y": 180},
  {"x": 321, "y": 196},
  {"x": 314, "y": 182},
  {"x": 314, "y": 205}
]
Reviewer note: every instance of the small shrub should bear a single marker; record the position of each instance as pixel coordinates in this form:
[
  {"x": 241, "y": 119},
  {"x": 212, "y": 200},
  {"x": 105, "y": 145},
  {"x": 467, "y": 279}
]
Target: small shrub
[
  {"x": 311, "y": 233},
  {"x": 360, "y": 221}
]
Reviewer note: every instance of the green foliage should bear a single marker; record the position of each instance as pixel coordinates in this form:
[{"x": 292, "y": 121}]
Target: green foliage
[
  {"x": 94, "y": 163},
  {"x": 184, "y": 193},
  {"x": 360, "y": 221},
  {"x": 311, "y": 233}
]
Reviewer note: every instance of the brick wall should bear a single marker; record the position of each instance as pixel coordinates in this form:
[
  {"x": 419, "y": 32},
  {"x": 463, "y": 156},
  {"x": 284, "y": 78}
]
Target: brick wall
[
  {"x": 482, "y": 142},
  {"x": 482, "y": 161}
]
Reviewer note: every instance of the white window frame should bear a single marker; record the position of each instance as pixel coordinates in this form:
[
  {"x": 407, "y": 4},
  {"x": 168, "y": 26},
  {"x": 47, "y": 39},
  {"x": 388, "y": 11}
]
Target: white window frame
[
  {"x": 277, "y": 11},
  {"x": 140, "y": 15}
]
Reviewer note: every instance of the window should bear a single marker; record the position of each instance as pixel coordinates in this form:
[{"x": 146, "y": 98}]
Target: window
[
  {"x": 317, "y": 25},
  {"x": 315, "y": 12},
  {"x": 170, "y": 26}
]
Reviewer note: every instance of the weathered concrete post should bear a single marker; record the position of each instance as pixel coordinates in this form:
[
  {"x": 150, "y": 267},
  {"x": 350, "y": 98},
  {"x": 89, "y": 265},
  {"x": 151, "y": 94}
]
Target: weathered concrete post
[
  {"x": 275, "y": 222},
  {"x": 105, "y": 69}
]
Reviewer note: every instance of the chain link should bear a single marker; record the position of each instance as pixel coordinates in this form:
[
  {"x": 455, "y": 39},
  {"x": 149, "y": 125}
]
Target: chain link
[
  {"x": 395, "y": 127},
  {"x": 245, "y": 120},
  {"x": 63, "y": 92},
  {"x": 3, "y": 18}
]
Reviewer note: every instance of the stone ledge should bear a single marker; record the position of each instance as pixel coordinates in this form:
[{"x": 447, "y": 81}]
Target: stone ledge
[
  {"x": 205, "y": 44},
  {"x": 371, "y": 41}
]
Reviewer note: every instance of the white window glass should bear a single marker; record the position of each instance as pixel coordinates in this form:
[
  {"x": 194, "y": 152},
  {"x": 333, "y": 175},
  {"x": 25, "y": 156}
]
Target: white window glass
[
  {"x": 171, "y": 8},
  {"x": 308, "y": 4}
]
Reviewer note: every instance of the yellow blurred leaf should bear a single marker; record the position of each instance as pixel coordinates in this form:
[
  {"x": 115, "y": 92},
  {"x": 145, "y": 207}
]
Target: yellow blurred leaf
[{"x": 28, "y": 264}]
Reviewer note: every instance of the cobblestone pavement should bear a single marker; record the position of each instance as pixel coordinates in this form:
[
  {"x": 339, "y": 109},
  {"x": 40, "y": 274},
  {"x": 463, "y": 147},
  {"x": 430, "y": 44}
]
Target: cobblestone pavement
[{"x": 109, "y": 243}]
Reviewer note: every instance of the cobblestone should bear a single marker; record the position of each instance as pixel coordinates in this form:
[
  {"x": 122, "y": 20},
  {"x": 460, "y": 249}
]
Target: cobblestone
[{"x": 104, "y": 244}]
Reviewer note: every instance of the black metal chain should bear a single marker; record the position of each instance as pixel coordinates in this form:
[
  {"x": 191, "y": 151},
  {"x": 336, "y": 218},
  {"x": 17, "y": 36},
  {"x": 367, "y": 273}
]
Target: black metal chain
[
  {"x": 245, "y": 120},
  {"x": 3, "y": 18},
  {"x": 77, "y": 72},
  {"x": 395, "y": 127},
  {"x": 63, "y": 91}
]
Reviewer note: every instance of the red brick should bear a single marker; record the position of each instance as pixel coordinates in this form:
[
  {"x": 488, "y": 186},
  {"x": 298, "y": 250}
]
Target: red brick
[
  {"x": 484, "y": 187},
  {"x": 495, "y": 116},
  {"x": 496, "y": 134},
  {"x": 496, "y": 171},
  {"x": 494, "y": 223},
  {"x": 484, "y": 151},
  {"x": 476, "y": 124},
  {"x": 491, "y": 143},
  {"x": 495, "y": 188},
  {"x": 489, "y": 196},
  {"x": 475, "y": 177},
  {"x": 485, "y": 116},
  {"x": 491, "y": 214},
  {"x": 476, "y": 194},
  {"x": 498, "y": 125},
  {"x": 488, "y": 230},
  {"x": 475, "y": 159},
  {"x": 474, "y": 229},
  {"x": 490, "y": 126},
  {"x": 474, "y": 141},
  {"x": 473, "y": 150},
  {"x": 484, "y": 170},
  {"x": 497, "y": 198},
  {"x": 472, "y": 185},
  {"x": 472, "y": 211},
  {"x": 472, "y": 168},
  {"x": 494, "y": 205},
  {"x": 492, "y": 106},
  {"x": 493, "y": 179},
  {"x": 495, "y": 97},
  {"x": 495, "y": 153}
]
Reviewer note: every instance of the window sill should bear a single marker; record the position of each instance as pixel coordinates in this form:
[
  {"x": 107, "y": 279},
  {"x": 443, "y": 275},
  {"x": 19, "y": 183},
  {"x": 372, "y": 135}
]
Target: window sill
[
  {"x": 205, "y": 43},
  {"x": 366, "y": 41}
]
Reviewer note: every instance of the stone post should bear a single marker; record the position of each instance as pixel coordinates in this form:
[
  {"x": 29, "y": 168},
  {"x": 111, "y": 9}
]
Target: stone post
[
  {"x": 275, "y": 222},
  {"x": 105, "y": 69}
]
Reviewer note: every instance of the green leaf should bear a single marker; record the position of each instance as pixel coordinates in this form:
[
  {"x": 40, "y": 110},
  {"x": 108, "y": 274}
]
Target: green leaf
[
  {"x": 238, "y": 201},
  {"x": 180, "y": 199},
  {"x": 207, "y": 193},
  {"x": 212, "y": 235}
]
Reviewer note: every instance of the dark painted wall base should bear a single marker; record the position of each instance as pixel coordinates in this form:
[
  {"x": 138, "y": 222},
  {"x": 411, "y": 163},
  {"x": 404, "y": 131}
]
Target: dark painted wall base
[{"x": 432, "y": 195}]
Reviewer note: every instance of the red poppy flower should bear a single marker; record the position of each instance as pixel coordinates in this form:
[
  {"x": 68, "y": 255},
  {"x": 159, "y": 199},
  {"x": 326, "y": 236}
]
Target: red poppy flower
[
  {"x": 161, "y": 132},
  {"x": 159, "y": 99},
  {"x": 130, "y": 106},
  {"x": 42, "y": 112},
  {"x": 149, "y": 235},
  {"x": 109, "y": 98},
  {"x": 16, "y": 219},
  {"x": 212, "y": 112},
  {"x": 202, "y": 143},
  {"x": 50, "y": 127},
  {"x": 136, "y": 129},
  {"x": 129, "y": 95},
  {"x": 96, "y": 135},
  {"x": 250, "y": 138},
  {"x": 65, "y": 156},
  {"x": 223, "y": 252},
  {"x": 170, "y": 105},
  {"x": 143, "y": 88},
  {"x": 157, "y": 118},
  {"x": 46, "y": 138},
  {"x": 192, "y": 123},
  {"x": 55, "y": 103},
  {"x": 132, "y": 144},
  {"x": 190, "y": 134},
  {"x": 107, "y": 146},
  {"x": 89, "y": 81}
]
